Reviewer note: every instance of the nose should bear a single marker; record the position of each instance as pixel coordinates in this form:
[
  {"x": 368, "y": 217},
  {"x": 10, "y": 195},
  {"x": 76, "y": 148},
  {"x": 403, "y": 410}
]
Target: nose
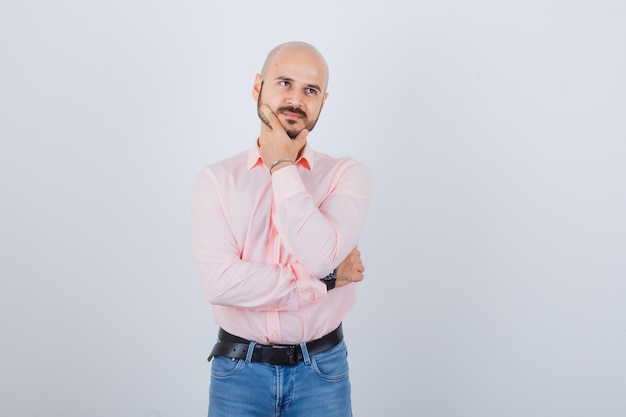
[{"x": 295, "y": 98}]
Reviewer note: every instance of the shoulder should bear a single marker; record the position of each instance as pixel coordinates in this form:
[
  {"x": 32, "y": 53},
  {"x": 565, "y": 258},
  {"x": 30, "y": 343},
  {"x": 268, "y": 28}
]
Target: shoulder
[
  {"x": 329, "y": 160},
  {"x": 226, "y": 167},
  {"x": 343, "y": 172},
  {"x": 340, "y": 165}
]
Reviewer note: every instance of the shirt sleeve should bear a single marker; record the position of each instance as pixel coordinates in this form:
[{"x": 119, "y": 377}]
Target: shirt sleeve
[
  {"x": 228, "y": 280},
  {"x": 321, "y": 237}
]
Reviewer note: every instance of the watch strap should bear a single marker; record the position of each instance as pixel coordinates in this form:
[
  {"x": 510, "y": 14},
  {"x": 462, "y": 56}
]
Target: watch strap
[{"x": 330, "y": 280}]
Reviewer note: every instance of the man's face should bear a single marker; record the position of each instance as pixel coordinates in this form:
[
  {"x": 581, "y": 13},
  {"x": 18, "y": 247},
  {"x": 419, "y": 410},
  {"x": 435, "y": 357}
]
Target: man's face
[{"x": 294, "y": 88}]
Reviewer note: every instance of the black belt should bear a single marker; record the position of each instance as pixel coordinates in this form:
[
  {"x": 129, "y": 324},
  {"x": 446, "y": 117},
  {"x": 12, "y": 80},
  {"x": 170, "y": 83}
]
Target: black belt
[{"x": 236, "y": 347}]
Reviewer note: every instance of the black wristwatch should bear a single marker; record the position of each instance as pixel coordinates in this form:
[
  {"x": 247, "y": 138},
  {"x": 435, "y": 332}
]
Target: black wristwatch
[{"x": 330, "y": 280}]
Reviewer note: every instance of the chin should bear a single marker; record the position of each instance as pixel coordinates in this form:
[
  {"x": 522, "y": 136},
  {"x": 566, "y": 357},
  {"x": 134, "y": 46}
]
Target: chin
[
  {"x": 292, "y": 133},
  {"x": 293, "y": 129}
]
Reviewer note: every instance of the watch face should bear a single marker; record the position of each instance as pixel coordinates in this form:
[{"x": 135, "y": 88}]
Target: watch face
[{"x": 331, "y": 276}]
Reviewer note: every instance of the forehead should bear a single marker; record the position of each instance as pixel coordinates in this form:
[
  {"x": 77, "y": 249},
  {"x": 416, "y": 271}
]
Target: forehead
[{"x": 300, "y": 64}]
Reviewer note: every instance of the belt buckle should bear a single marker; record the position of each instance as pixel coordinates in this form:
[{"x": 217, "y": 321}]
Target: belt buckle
[
  {"x": 290, "y": 351},
  {"x": 291, "y": 355}
]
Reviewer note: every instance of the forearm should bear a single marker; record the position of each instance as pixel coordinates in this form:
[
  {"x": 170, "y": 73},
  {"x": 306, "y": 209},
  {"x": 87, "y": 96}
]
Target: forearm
[
  {"x": 253, "y": 286},
  {"x": 321, "y": 234},
  {"x": 231, "y": 277}
]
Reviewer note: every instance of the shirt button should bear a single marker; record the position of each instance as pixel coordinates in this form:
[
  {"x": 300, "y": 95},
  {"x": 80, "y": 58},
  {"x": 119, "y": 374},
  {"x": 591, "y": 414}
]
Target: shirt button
[
  {"x": 275, "y": 232},
  {"x": 312, "y": 297}
]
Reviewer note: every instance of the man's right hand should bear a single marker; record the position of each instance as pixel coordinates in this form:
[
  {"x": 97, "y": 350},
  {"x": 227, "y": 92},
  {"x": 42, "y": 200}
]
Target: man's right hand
[
  {"x": 274, "y": 143},
  {"x": 351, "y": 269}
]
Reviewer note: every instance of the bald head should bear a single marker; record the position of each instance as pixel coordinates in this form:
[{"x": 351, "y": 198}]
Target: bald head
[
  {"x": 297, "y": 52},
  {"x": 293, "y": 85}
]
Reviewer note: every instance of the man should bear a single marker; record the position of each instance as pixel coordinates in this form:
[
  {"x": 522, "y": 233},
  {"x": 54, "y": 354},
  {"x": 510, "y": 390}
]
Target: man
[{"x": 274, "y": 236}]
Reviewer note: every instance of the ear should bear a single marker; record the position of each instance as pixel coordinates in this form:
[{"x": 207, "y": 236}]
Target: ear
[
  {"x": 324, "y": 100},
  {"x": 256, "y": 88}
]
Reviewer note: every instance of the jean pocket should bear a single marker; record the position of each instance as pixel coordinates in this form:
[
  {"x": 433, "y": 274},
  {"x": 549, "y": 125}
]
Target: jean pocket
[
  {"x": 222, "y": 367},
  {"x": 332, "y": 364}
]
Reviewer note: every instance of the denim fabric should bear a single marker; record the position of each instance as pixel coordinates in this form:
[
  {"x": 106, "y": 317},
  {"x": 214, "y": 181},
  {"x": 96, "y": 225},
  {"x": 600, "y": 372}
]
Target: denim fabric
[{"x": 317, "y": 386}]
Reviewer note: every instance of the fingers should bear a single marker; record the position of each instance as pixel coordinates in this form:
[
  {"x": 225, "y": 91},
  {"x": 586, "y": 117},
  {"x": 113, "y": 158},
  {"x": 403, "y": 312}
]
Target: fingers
[
  {"x": 355, "y": 257},
  {"x": 302, "y": 135},
  {"x": 353, "y": 276},
  {"x": 351, "y": 269},
  {"x": 359, "y": 268},
  {"x": 268, "y": 117},
  {"x": 358, "y": 276}
]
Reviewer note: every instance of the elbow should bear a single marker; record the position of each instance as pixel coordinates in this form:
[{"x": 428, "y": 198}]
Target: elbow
[
  {"x": 213, "y": 283},
  {"x": 321, "y": 263}
]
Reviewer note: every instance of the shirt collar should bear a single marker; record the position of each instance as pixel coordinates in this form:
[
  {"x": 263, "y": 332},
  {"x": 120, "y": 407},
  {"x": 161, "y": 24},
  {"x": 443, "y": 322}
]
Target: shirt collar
[{"x": 306, "y": 159}]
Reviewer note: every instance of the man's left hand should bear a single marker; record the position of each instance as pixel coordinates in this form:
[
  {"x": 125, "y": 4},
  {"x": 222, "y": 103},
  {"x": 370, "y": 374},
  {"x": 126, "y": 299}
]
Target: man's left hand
[{"x": 351, "y": 269}]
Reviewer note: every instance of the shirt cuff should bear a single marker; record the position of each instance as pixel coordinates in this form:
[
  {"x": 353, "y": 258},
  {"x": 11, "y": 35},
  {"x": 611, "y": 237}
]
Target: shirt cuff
[
  {"x": 310, "y": 289},
  {"x": 286, "y": 182}
]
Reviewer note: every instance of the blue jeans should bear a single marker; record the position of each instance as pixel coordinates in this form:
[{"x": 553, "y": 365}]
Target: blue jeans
[{"x": 317, "y": 386}]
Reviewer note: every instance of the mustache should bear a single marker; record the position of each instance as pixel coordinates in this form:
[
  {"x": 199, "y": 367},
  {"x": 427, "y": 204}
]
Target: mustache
[{"x": 292, "y": 109}]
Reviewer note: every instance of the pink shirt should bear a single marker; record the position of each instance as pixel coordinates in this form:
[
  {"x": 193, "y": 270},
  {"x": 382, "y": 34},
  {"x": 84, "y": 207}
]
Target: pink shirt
[{"x": 261, "y": 242}]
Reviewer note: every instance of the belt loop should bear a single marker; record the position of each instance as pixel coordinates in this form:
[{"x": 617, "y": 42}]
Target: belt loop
[
  {"x": 305, "y": 353},
  {"x": 250, "y": 352}
]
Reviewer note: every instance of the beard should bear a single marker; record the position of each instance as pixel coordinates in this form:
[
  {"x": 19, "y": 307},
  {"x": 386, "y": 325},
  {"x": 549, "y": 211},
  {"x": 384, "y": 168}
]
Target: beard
[{"x": 292, "y": 131}]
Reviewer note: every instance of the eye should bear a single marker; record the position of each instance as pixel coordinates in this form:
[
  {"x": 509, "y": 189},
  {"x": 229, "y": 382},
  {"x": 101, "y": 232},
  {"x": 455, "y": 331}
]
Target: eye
[
  {"x": 311, "y": 91},
  {"x": 284, "y": 83}
]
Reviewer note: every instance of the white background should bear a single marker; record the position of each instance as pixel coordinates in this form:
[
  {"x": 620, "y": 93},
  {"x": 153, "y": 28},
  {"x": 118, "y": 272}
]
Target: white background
[{"x": 495, "y": 246}]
